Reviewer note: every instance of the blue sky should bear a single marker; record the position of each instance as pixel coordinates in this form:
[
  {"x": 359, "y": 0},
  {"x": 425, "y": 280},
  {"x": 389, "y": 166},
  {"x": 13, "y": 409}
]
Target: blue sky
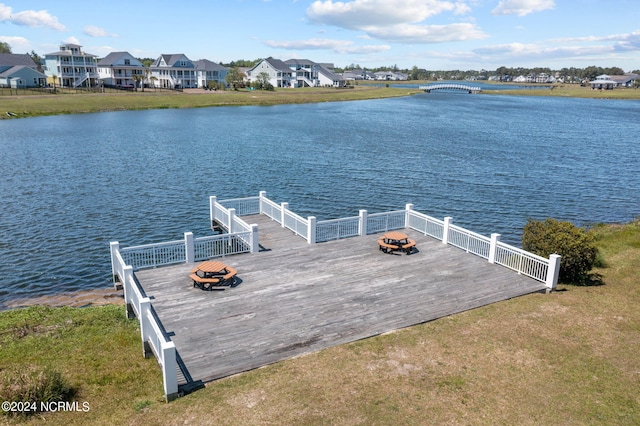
[{"x": 431, "y": 34}]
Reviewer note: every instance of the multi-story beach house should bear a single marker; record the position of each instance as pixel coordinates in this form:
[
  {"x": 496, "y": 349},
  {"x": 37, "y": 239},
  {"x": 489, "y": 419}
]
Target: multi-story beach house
[
  {"x": 280, "y": 75},
  {"x": 121, "y": 69},
  {"x": 209, "y": 72},
  {"x": 174, "y": 71},
  {"x": 71, "y": 67},
  {"x": 296, "y": 73}
]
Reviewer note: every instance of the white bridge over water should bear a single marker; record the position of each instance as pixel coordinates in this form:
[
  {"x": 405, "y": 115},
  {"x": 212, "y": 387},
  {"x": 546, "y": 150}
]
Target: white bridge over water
[{"x": 450, "y": 86}]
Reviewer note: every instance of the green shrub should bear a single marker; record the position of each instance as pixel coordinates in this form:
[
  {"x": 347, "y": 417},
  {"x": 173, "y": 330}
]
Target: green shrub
[
  {"x": 575, "y": 245},
  {"x": 34, "y": 386}
]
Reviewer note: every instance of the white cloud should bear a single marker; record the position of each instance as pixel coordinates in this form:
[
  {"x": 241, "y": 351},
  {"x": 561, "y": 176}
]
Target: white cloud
[
  {"x": 30, "y": 18},
  {"x": 522, "y": 7},
  {"x": 396, "y": 21},
  {"x": 358, "y": 13},
  {"x": 71, "y": 40},
  {"x": 338, "y": 46},
  {"x": 416, "y": 34},
  {"x": 18, "y": 44},
  {"x": 93, "y": 31}
]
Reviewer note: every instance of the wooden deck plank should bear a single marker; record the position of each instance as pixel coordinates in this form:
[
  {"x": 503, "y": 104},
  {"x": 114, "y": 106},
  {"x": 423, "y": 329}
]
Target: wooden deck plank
[{"x": 295, "y": 298}]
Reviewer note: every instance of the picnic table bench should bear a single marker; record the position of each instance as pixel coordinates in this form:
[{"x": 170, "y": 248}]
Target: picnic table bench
[
  {"x": 212, "y": 275},
  {"x": 396, "y": 241}
]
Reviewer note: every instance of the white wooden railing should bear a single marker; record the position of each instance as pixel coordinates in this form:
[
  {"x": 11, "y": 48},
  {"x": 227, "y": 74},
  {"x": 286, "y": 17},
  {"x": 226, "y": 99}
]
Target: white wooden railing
[
  {"x": 490, "y": 248},
  {"x": 190, "y": 249},
  {"x": 154, "y": 340},
  {"x": 335, "y": 229}
]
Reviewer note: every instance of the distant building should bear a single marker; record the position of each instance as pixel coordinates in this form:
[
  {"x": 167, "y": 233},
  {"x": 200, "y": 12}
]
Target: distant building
[
  {"x": 174, "y": 71},
  {"x": 19, "y": 71},
  {"x": 119, "y": 69},
  {"x": 71, "y": 67},
  {"x": 625, "y": 80},
  {"x": 280, "y": 75},
  {"x": 207, "y": 71},
  {"x": 603, "y": 82}
]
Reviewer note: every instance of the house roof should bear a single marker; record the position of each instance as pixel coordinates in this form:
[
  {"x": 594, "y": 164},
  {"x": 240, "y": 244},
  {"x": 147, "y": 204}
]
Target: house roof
[
  {"x": 275, "y": 63},
  {"x": 113, "y": 57},
  {"x": 207, "y": 65},
  {"x": 8, "y": 73},
  {"x": 170, "y": 59},
  {"x": 624, "y": 78},
  {"x": 329, "y": 74},
  {"x": 14, "y": 59},
  {"x": 290, "y": 62}
]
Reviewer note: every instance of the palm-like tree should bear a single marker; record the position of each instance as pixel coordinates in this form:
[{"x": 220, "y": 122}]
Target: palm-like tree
[{"x": 137, "y": 78}]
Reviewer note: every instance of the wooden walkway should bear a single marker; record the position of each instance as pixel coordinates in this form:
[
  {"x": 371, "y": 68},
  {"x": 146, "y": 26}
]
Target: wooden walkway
[{"x": 296, "y": 298}]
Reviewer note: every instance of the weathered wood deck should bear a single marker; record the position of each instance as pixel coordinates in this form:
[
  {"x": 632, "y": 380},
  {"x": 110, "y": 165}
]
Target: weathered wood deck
[{"x": 296, "y": 298}]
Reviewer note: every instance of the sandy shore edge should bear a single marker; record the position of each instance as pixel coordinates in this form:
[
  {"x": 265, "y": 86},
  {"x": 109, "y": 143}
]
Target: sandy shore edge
[{"x": 78, "y": 299}]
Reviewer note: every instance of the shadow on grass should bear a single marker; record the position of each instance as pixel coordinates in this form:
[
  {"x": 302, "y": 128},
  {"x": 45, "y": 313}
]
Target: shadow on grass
[{"x": 590, "y": 280}]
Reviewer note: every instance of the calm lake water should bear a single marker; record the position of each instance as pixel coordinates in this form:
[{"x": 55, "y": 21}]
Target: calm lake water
[{"x": 71, "y": 184}]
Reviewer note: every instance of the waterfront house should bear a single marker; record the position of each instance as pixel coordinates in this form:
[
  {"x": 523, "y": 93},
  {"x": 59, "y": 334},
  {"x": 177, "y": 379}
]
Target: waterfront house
[
  {"x": 119, "y": 69},
  {"x": 603, "y": 82},
  {"x": 19, "y": 71},
  {"x": 390, "y": 76},
  {"x": 280, "y": 75},
  {"x": 71, "y": 67},
  {"x": 306, "y": 73},
  {"x": 174, "y": 71},
  {"x": 209, "y": 72},
  {"x": 625, "y": 80}
]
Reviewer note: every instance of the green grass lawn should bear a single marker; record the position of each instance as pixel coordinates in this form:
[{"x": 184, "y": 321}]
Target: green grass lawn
[
  {"x": 570, "y": 357},
  {"x": 31, "y": 106}
]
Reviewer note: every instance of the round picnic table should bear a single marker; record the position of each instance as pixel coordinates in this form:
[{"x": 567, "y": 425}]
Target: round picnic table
[{"x": 211, "y": 268}]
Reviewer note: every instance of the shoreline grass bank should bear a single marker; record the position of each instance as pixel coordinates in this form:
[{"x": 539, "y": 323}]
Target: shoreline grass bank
[
  {"x": 569, "y": 355},
  {"x": 39, "y": 105},
  {"x": 23, "y": 106}
]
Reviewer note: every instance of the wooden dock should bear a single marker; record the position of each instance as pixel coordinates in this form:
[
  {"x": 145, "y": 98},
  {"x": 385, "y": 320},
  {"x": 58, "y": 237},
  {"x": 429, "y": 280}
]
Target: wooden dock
[{"x": 294, "y": 298}]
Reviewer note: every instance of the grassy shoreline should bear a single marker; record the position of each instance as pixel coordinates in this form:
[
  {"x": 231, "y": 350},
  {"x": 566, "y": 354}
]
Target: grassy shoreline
[
  {"x": 39, "y": 105},
  {"x": 22, "y": 106},
  {"x": 569, "y": 355}
]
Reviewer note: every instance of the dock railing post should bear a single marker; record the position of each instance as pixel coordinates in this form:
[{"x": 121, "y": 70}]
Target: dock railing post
[
  {"x": 126, "y": 286},
  {"x": 311, "y": 231},
  {"x": 407, "y": 216},
  {"x": 189, "y": 248},
  {"x": 283, "y": 209},
  {"x": 169, "y": 371},
  {"x": 145, "y": 305},
  {"x": 255, "y": 243},
  {"x": 212, "y": 210},
  {"x": 232, "y": 220},
  {"x": 493, "y": 246},
  {"x": 262, "y": 195},
  {"x": 445, "y": 230},
  {"x": 553, "y": 272},
  {"x": 362, "y": 223},
  {"x": 114, "y": 247}
]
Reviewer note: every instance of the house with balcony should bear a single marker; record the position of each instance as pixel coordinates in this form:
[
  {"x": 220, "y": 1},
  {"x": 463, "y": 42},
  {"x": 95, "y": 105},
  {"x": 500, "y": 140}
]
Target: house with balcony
[
  {"x": 306, "y": 73},
  {"x": 18, "y": 71},
  {"x": 71, "y": 67},
  {"x": 280, "y": 75},
  {"x": 174, "y": 71},
  {"x": 121, "y": 69},
  {"x": 210, "y": 72}
]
